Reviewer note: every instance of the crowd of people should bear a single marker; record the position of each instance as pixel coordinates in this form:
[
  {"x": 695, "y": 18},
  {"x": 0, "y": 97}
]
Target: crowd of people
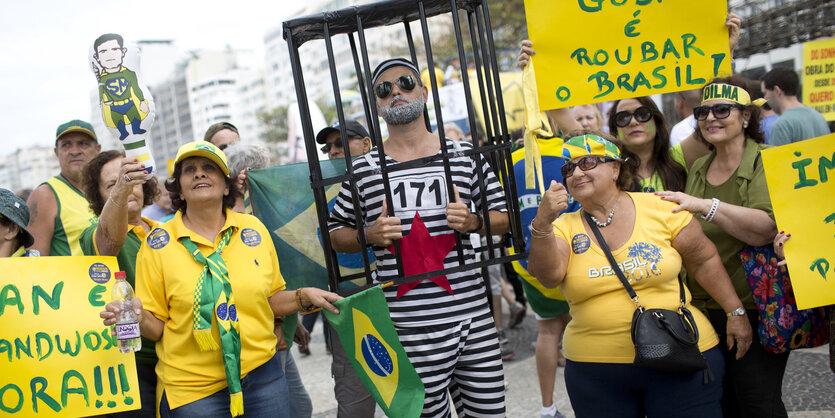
[{"x": 676, "y": 204}]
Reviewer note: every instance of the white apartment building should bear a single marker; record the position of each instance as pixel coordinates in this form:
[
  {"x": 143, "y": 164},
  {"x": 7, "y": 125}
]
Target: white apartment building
[{"x": 28, "y": 167}]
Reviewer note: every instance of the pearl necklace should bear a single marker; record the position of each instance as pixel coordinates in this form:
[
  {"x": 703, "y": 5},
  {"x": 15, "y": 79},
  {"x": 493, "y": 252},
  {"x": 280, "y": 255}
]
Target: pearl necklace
[{"x": 608, "y": 220}]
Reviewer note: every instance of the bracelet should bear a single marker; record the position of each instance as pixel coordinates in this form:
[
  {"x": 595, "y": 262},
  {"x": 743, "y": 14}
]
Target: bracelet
[
  {"x": 480, "y": 223},
  {"x": 365, "y": 235},
  {"x": 708, "y": 217},
  {"x": 110, "y": 198},
  {"x": 535, "y": 233},
  {"x": 299, "y": 302}
]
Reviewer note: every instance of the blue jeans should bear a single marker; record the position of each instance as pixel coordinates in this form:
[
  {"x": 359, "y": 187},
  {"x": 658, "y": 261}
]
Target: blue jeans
[
  {"x": 625, "y": 390},
  {"x": 264, "y": 391},
  {"x": 300, "y": 404}
]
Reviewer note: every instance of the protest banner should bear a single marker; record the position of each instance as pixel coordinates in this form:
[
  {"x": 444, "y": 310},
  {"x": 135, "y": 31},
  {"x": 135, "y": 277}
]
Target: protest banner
[
  {"x": 799, "y": 182},
  {"x": 57, "y": 357},
  {"x": 589, "y": 51},
  {"x": 819, "y": 77}
]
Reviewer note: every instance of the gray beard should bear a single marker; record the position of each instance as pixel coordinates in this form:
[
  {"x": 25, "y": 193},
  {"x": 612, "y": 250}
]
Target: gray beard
[{"x": 404, "y": 113}]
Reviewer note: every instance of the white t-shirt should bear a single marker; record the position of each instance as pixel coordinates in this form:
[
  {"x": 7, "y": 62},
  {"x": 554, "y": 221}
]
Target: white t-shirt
[{"x": 682, "y": 130}]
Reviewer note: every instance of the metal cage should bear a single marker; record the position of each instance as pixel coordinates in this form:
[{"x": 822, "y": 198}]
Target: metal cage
[{"x": 353, "y": 22}]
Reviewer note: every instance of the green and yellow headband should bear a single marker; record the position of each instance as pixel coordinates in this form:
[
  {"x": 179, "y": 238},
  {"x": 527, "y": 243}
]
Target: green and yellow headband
[
  {"x": 589, "y": 144},
  {"x": 729, "y": 92}
]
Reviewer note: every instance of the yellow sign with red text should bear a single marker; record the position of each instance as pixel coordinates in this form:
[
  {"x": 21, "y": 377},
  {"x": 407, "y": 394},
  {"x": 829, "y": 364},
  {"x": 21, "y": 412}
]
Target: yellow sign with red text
[
  {"x": 56, "y": 356},
  {"x": 590, "y": 51},
  {"x": 819, "y": 77},
  {"x": 801, "y": 182}
]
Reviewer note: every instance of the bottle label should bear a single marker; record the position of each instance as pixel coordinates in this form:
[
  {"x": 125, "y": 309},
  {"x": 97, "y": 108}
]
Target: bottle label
[{"x": 127, "y": 331}]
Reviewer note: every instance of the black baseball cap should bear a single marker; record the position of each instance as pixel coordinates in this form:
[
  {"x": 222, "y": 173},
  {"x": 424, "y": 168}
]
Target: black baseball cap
[{"x": 353, "y": 129}]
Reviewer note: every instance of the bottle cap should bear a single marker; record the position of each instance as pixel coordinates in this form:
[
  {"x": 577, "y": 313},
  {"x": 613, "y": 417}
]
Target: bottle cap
[{"x": 119, "y": 275}]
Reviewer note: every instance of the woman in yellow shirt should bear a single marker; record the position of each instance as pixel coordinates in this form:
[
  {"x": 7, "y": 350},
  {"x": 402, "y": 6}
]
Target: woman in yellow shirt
[
  {"x": 216, "y": 357},
  {"x": 650, "y": 243}
]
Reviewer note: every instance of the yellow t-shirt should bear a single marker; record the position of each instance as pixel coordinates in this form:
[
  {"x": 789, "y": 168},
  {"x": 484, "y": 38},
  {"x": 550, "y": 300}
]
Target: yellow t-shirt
[
  {"x": 601, "y": 310},
  {"x": 166, "y": 275}
]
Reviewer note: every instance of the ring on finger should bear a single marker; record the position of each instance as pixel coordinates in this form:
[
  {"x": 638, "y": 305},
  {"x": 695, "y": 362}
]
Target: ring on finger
[{"x": 127, "y": 178}]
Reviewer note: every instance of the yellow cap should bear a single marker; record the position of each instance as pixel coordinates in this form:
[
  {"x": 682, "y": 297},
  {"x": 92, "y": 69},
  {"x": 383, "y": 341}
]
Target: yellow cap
[{"x": 203, "y": 149}]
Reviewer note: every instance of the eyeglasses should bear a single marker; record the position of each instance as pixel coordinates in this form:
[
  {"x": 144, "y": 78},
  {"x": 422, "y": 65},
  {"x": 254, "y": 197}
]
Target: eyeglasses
[
  {"x": 585, "y": 163},
  {"x": 642, "y": 114},
  {"x": 720, "y": 111},
  {"x": 338, "y": 143},
  {"x": 405, "y": 82}
]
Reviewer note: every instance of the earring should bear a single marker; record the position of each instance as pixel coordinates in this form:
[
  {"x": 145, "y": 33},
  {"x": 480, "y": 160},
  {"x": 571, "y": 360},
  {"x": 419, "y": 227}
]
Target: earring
[{"x": 745, "y": 124}]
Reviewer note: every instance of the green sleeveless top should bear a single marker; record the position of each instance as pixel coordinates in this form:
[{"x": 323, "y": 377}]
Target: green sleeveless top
[
  {"x": 654, "y": 183},
  {"x": 73, "y": 217}
]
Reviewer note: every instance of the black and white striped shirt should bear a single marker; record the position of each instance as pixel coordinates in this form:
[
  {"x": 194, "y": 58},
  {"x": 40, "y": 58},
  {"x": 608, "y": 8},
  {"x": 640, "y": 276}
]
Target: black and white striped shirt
[{"x": 423, "y": 190}]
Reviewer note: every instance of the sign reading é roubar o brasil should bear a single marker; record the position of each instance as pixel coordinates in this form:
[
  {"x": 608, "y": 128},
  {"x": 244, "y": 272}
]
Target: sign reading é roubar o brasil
[
  {"x": 57, "y": 359},
  {"x": 801, "y": 182},
  {"x": 590, "y": 51}
]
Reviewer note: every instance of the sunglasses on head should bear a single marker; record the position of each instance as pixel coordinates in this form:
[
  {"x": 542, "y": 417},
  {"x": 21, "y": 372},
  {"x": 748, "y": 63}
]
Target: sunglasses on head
[
  {"x": 405, "y": 82},
  {"x": 641, "y": 114},
  {"x": 585, "y": 163},
  {"x": 720, "y": 111},
  {"x": 338, "y": 143}
]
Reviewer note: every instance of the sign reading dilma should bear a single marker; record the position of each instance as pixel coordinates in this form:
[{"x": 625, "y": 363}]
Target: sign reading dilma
[{"x": 590, "y": 51}]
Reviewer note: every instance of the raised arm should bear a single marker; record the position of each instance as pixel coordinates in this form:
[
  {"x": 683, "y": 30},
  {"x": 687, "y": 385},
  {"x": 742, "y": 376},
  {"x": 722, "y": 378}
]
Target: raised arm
[
  {"x": 113, "y": 221},
  {"x": 548, "y": 255}
]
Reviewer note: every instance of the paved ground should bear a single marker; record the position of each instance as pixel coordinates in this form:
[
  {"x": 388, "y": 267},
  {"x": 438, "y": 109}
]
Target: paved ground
[{"x": 808, "y": 388}]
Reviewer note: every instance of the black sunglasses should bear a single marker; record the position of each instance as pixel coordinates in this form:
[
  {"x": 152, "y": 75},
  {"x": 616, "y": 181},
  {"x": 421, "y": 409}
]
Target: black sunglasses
[
  {"x": 642, "y": 114},
  {"x": 405, "y": 82},
  {"x": 720, "y": 111},
  {"x": 585, "y": 163},
  {"x": 338, "y": 143}
]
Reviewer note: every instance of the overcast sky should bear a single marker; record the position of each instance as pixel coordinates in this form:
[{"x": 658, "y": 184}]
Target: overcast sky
[{"x": 45, "y": 78}]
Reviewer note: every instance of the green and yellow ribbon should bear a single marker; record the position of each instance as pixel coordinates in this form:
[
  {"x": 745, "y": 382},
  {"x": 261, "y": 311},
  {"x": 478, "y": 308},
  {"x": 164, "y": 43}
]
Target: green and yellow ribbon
[{"x": 213, "y": 297}]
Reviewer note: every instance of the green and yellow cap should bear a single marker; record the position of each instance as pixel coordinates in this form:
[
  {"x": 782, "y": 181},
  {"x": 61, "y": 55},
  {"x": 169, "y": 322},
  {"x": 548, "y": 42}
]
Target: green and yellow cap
[
  {"x": 75, "y": 125},
  {"x": 720, "y": 91},
  {"x": 589, "y": 144},
  {"x": 203, "y": 149}
]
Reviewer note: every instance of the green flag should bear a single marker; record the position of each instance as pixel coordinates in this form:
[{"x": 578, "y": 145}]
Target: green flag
[
  {"x": 282, "y": 199},
  {"x": 366, "y": 332}
]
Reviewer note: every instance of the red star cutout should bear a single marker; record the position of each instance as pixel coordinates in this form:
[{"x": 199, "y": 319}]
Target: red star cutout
[{"x": 421, "y": 253}]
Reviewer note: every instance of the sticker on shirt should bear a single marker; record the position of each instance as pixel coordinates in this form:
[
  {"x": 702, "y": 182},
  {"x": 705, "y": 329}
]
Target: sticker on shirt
[
  {"x": 158, "y": 238},
  {"x": 250, "y": 237},
  {"x": 227, "y": 314},
  {"x": 580, "y": 243},
  {"x": 419, "y": 192},
  {"x": 99, "y": 273}
]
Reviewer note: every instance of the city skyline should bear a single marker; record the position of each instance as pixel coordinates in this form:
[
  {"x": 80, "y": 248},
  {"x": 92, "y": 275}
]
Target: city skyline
[{"x": 46, "y": 76}]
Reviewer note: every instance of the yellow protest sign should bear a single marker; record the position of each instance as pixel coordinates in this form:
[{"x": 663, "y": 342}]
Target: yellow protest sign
[
  {"x": 819, "y": 77},
  {"x": 57, "y": 357},
  {"x": 801, "y": 182},
  {"x": 590, "y": 51}
]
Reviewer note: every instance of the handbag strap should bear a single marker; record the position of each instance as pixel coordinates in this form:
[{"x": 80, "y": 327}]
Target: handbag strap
[{"x": 617, "y": 269}]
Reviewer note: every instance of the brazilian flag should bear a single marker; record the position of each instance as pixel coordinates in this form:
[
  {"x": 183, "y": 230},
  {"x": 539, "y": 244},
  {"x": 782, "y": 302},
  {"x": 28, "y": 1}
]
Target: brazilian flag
[{"x": 367, "y": 333}]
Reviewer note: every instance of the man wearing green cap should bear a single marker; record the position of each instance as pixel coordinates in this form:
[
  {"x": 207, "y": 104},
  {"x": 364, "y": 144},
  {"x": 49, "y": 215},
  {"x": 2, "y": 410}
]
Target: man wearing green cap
[{"x": 59, "y": 211}]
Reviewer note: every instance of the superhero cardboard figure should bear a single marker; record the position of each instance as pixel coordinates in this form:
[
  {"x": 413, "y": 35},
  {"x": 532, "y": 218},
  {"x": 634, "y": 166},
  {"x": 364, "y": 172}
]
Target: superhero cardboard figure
[{"x": 126, "y": 104}]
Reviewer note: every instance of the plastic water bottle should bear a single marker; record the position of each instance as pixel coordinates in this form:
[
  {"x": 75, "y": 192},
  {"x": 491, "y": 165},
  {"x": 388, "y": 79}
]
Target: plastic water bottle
[{"x": 127, "y": 326}]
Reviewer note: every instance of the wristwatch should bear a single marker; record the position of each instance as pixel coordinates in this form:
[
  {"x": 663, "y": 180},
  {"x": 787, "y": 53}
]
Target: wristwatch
[{"x": 740, "y": 311}]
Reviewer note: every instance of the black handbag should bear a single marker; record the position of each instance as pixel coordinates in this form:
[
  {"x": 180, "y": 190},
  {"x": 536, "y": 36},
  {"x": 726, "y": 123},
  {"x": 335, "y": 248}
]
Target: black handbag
[{"x": 665, "y": 340}]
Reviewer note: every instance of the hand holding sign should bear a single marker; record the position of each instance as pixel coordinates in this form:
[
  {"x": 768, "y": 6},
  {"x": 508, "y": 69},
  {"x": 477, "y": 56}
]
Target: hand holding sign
[{"x": 126, "y": 104}]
